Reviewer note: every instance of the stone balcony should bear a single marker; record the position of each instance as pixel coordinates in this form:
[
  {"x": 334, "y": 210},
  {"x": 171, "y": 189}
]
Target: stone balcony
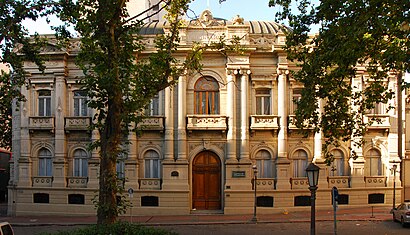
[
  {"x": 77, "y": 182},
  {"x": 299, "y": 183},
  {"x": 42, "y": 181},
  {"x": 292, "y": 122},
  {"x": 207, "y": 122},
  {"x": 379, "y": 121},
  {"x": 154, "y": 123},
  {"x": 265, "y": 184},
  {"x": 338, "y": 181},
  {"x": 41, "y": 123},
  {"x": 77, "y": 123},
  {"x": 150, "y": 183},
  {"x": 375, "y": 181},
  {"x": 264, "y": 122}
]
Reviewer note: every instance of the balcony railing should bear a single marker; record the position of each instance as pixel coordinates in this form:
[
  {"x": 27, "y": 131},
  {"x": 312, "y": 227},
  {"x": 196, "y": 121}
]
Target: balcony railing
[
  {"x": 379, "y": 121},
  {"x": 150, "y": 184},
  {"x": 264, "y": 122},
  {"x": 375, "y": 181},
  {"x": 292, "y": 122},
  {"x": 41, "y": 123},
  {"x": 299, "y": 183},
  {"x": 77, "y": 182},
  {"x": 206, "y": 122},
  {"x": 152, "y": 123},
  {"x": 77, "y": 123},
  {"x": 42, "y": 181},
  {"x": 265, "y": 184},
  {"x": 338, "y": 181}
]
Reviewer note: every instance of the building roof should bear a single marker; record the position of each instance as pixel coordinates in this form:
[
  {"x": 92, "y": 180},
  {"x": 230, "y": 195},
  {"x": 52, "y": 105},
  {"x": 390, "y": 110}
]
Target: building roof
[{"x": 207, "y": 21}]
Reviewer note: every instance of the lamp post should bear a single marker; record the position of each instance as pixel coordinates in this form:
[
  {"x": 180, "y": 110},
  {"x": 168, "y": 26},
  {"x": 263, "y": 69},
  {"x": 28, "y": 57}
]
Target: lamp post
[
  {"x": 255, "y": 177},
  {"x": 313, "y": 177},
  {"x": 394, "y": 185}
]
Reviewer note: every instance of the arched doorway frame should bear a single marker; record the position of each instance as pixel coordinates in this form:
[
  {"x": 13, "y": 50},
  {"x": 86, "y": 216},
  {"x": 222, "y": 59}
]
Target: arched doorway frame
[{"x": 219, "y": 153}]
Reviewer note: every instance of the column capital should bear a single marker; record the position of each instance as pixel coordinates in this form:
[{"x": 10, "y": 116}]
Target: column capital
[{"x": 282, "y": 71}]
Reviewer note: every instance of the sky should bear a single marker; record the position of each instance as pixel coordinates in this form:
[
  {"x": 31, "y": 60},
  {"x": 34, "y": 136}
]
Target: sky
[{"x": 247, "y": 9}]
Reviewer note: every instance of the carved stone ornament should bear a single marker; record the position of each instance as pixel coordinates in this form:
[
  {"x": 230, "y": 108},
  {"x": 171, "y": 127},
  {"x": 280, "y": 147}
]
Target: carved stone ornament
[
  {"x": 237, "y": 20},
  {"x": 206, "y": 20}
]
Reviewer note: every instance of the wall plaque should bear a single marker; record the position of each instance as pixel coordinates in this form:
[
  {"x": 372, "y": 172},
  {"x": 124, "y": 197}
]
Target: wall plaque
[{"x": 238, "y": 174}]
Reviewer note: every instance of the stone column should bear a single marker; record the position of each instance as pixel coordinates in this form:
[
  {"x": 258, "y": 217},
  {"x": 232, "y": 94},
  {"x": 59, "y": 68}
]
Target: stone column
[
  {"x": 59, "y": 162},
  {"x": 169, "y": 126},
  {"x": 245, "y": 117},
  {"x": 94, "y": 162},
  {"x": 182, "y": 155},
  {"x": 282, "y": 112},
  {"x": 230, "y": 112},
  {"x": 357, "y": 166},
  {"x": 317, "y": 155},
  {"x": 283, "y": 163},
  {"x": 131, "y": 164}
]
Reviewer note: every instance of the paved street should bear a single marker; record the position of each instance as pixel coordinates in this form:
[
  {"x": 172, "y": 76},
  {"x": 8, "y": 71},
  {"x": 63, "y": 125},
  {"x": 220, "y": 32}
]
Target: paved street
[
  {"x": 297, "y": 228},
  {"x": 351, "y": 221}
]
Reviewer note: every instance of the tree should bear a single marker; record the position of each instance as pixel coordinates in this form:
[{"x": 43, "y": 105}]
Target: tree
[
  {"x": 117, "y": 84},
  {"x": 368, "y": 33},
  {"x": 13, "y": 33}
]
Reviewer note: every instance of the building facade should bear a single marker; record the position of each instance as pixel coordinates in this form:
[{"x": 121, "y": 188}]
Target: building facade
[{"x": 199, "y": 140}]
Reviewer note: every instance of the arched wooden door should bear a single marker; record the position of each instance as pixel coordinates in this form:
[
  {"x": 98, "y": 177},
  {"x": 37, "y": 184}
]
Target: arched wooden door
[{"x": 206, "y": 182}]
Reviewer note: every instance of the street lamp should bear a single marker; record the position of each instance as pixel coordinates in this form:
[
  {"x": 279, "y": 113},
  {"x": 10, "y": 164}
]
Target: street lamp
[
  {"x": 255, "y": 177},
  {"x": 394, "y": 186},
  {"x": 313, "y": 177}
]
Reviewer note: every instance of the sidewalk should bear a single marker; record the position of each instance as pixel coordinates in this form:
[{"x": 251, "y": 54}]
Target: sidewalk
[{"x": 349, "y": 214}]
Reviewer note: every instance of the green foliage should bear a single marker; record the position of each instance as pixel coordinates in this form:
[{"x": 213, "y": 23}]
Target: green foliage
[
  {"x": 15, "y": 48},
  {"x": 373, "y": 34},
  {"x": 118, "y": 228},
  {"x": 119, "y": 85}
]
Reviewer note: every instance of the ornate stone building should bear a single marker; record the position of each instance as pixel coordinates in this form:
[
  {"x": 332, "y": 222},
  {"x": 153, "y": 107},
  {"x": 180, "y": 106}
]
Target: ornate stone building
[{"x": 199, "y": 139}]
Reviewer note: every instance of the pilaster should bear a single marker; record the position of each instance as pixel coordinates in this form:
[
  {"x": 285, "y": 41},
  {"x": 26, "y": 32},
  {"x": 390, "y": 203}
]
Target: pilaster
[
  {"x": 282, "y": 112},
  {"x": 59, "y": 162},
  {"x": 244, "y": 157},
  {"x": 230, "y": 136}
]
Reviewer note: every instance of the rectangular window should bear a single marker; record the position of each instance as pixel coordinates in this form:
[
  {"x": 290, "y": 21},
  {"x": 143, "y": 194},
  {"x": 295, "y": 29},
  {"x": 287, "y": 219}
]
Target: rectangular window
[
  {"x": 44, "y": 103},
  {"x": 263, "y": 102},
  {"x": 80, "y": 167},
  {"x": 379, "y": 108},
  {"x": 80, "y": 104},
  {"x": 299, "y": 168},
  {"x": 264, "y": 168},
  {"x": 153, "y": 107},
  {"x": 151, "y": 168},
  {"x": 120, "y": 169},
  {"x": 297, "y": 95},
  {"x": 45, "y": 167}
]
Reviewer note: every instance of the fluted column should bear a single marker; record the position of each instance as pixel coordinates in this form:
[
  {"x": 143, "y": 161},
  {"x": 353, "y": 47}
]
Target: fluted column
[
  {"x": 182, "y": 155},
  {"x": 230, "y": 112},
  {"x": 282, "y": 112},
  {"x": 244, "y": 116},
  {"x": 169, "y": 126}
]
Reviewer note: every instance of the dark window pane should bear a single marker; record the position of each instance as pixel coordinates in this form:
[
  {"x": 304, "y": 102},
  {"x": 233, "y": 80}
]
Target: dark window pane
[
  {"x": 41, "y": 198},
  {"x": 264, "y": 201},
  {"x": 375, "y": 198},
  {"x": 302, "y": 201},
  {"x": 76, "y": 199},
  {"x": 149, "y": 201}
]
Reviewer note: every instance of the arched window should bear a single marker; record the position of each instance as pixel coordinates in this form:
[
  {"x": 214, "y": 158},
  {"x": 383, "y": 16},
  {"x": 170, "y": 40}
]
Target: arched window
[
  {"x": 300, "y": 162},
  {"x": 44, "y": 103},
  {"x": 152, "y": 169},
  {"x": 45, "y": 162},
  {"x": 374, "y": 162},
  {"x": 337, "y": 168},
  {"x": 80, "y": 163},
  {"x": 206, "y": 96},
  {"x": 264, "y": 164},
  {"x": 80, "y": 104}
]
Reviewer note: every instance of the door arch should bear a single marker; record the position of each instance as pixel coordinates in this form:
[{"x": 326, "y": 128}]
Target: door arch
[{"x": 206, "y": 181}]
